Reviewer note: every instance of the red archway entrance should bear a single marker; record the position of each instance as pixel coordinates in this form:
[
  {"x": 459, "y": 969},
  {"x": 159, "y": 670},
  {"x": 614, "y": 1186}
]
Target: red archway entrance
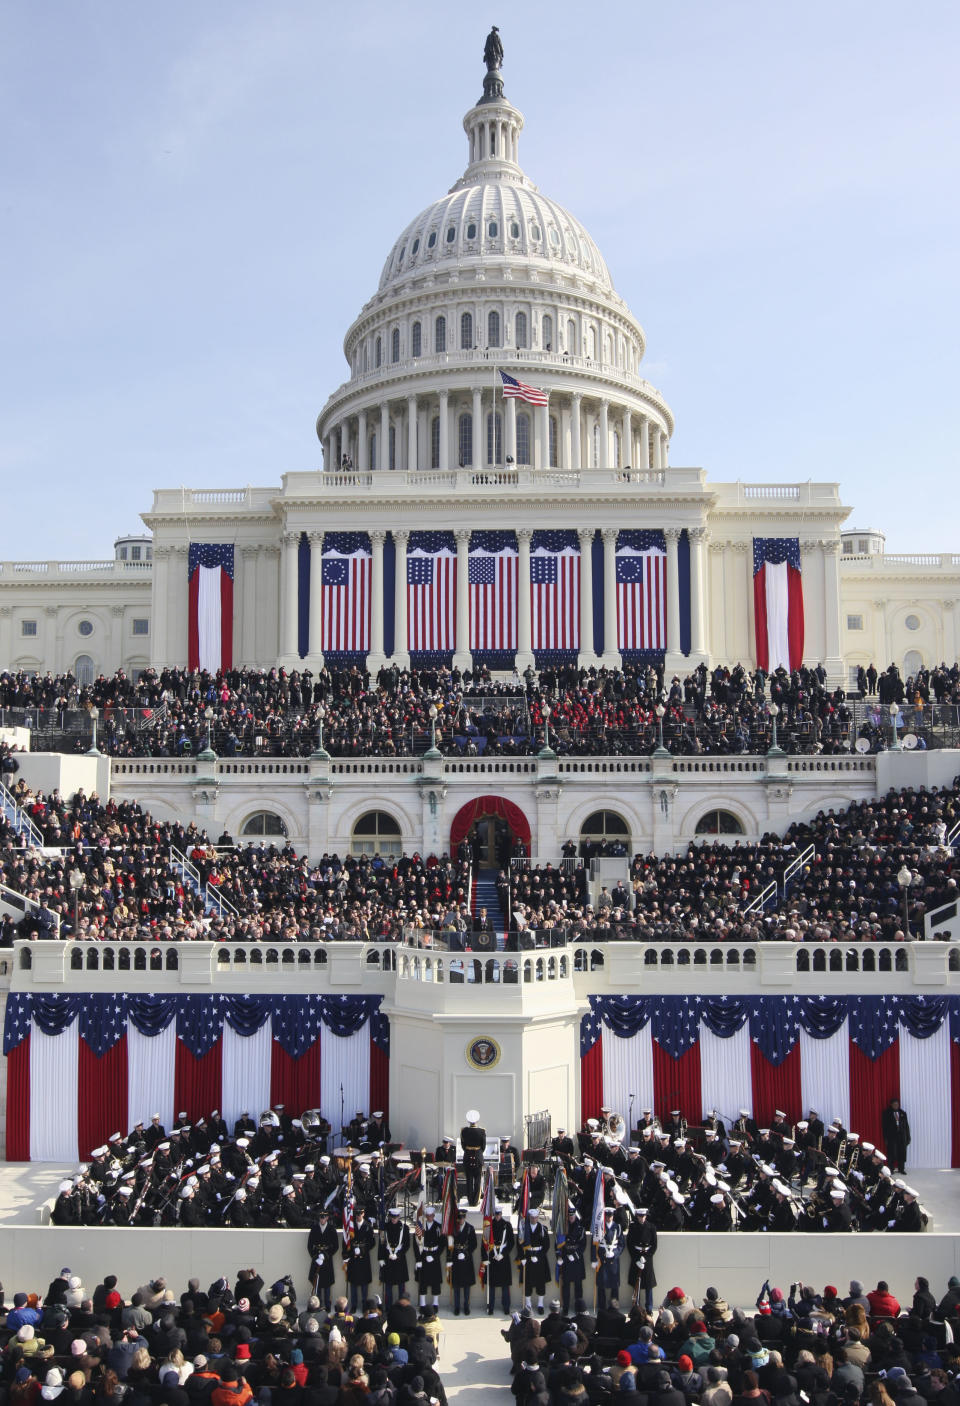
[{"x": 487, "y": 821}]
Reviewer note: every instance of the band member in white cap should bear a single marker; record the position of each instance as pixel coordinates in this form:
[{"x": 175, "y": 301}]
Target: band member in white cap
[
  {"x": 429, "y": 1261},
  {"x": 473, "y": 1140}
]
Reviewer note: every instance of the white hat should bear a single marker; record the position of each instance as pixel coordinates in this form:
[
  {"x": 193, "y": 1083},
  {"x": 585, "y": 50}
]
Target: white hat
[
  {"x": 718, "y": 1199},
  {"x": 240, "y": 1194},
  {"x": 324, "y": 1161},
  {"x": 473, "y": 1115},
  {"x": 591, "y": 1123},
  {"x": 429, "y": 1210},
  {"x": 394, "y": 1211},
  {"x": 125, "y": 1191},
  {"x": 99, "y": 1152},
  {"x": 243, "y": 1142},
  {"x": 867, "y": 1146},
  {"x": 837, "y": 1194},
  {"x": 779, "y": 1113},
  {"x": 744, "y": 1113},
  {"x": 154, "y": 1117},
  {"x": 186, "y": 1192},
  {"x": 379, "y": 1114},
  {"x": 287, "y": 1190},
  {"x": 65, "y": 1186},
  {"x": 788, "y": 1142},
  {"x": 803, "y": 1125}
]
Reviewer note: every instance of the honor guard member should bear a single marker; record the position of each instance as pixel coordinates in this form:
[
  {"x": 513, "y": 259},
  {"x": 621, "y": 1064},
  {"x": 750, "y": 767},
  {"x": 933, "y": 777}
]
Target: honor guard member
[
  {"x": 718, "y": 1216},
  {"x": 839, "y": 1217},
  {"x": 606, "y": 1261},
  {"x": 534, "y": 1250},
  {"x": 570, "y": 1267},
  {"x": 473, "y": 1140},
  {"x": 322, "y": 1246},
  {"x": 356, "y": 1262},
  {"x": 238, "y": 1213},
  {"x": 499, "y": 1264},
  {"x": 394, "y": 1244},
  {"x": 641, "y": 1248},
  {"x": 460, "y": 1259},
  {"x": 429, "y": 1262}
]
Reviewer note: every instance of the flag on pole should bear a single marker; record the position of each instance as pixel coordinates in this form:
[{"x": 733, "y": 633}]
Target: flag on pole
[
  {"x": 523, "y": 1206},
  {"x": 488, "y": 1205},
  {"x": 349, "y": 1209},
  {"x": 448, "y": 1202},
  {"x": 346, "y": 567},
  {"x": 555, "y": 591},
  {"x": 561, "y": 1208},
  {"x": 519, "y": 390},
  {"x": 431, "y": 592},
  {"x": 778, "y": 602},
  {"x": 641, "y": 571},
  {"x": 596, "y": 1214},
  {"x": 210, "y": 608}
]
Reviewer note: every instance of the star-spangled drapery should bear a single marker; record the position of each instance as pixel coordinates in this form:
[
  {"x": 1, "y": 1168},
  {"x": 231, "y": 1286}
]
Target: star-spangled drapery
[
  {"x": 222, "y": 1051},
  {"x": 860, "y": 1037}
]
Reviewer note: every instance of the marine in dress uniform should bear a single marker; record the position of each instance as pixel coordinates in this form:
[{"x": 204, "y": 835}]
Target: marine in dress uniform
[
  {"x": 606, "y": 1259},
  {"x": 322, "y": 1246},
  {"x": 499, "y": 1264},
  {"x": 394, "y": 1244},
  {"x": 460, "y": 1259},
  {"x": 356, "y": 1261},
  {"x": 534, "y": 1248},
  {"x": 429, "y": 1262},
  {"x": 473, "y": 1140}
]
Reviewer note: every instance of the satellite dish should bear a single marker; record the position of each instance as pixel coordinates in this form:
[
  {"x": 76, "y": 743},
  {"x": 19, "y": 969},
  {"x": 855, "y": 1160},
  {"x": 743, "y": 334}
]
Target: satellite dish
[
  {"x": 862, "y": 745},
  {"x": 910, "y": 741}
]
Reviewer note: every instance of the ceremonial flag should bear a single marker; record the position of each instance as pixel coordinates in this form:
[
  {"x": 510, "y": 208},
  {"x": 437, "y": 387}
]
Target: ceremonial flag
[
  {"x": 519, "y": 390},
  {"x": 523, "y": 1207},
  {"x": 349, "y": 1211},
  {"x": 488, "y": 1204},
  {"x": 448, "y": 1202},
  {"x": 778, "y": 602},
  {"x": 346, "y": 567},
  {"x": 847, "y": 1056},
  {"x": 431, "y": 592},
  {"x": 641, "y": 570},
  {"x": 210, "y": 609},
  {"x": 555, "y": 591},
  {"x": 561, "y": 1208},
  {"x": 493, "y": 571},
  {"x": 596, "y": 1211}
]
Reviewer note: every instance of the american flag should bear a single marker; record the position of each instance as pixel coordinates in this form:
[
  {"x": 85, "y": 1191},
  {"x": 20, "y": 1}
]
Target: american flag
[
  {"x": 555, "y": 591},
  {"x": 210, "y": 605},
  {"x": 641, "y": 590},
  {"x": 431, "y": 591},
  {"x": 493, "y": 579},
  {"x": 346, "y": 571},
  {"x": 488, "y": 1204},
  {"x": 519, "y": 390},
  {"x": 349, "y": 1208}
]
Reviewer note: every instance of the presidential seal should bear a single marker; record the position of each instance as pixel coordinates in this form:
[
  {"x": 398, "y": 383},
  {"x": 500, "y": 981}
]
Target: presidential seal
[{"x": 483, "y": 1053}]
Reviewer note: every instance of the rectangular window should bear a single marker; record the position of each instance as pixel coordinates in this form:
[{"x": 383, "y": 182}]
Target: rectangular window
[
  {"x": 141, "y": 627},
  {"x": 848, "y": 548},
  {"x": 854, "y": 622},
  {"x": 863, "y": 546},
  {"x": 28, "y": 627},
  {"x": 134, "y": 553}
]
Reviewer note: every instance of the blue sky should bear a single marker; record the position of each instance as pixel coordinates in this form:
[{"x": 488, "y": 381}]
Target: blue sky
[{"x": 198, "y": 199}]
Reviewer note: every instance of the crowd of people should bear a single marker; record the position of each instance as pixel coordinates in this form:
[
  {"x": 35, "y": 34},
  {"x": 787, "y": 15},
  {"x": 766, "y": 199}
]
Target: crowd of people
[
  {"x": 222, "y": 1346},
  {"x": 250, "y": 712}
]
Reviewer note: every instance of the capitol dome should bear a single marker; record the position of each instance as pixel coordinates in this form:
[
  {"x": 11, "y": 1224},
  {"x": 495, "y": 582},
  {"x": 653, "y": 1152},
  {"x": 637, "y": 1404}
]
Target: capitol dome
[{"x": 494, "y": 277}]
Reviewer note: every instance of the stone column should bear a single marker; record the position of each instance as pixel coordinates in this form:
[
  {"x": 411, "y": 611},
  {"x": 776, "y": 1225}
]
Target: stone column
[
  {"x": 674, "y": 656},
  {"x": 445, "y": 430},
  {"x": 376, "y": 657},
  {"x": 477, "y": 455},
  {"x": 626, "y": 447},
  {"x": 510, "y": 445},
  {"x": 329, "y": 451},
  {"x": 587, "y": 657},
  {"x": 543, "y": 436},
  {"x": 248, "y": 619},
  {"x": 383, "y": 438},
  {"x": 698, "y": 644},
  {"x": 644, "y": 442},
  {"x": 611, "y": 645},
  {"x": 363, "y": 443},
  {"x": 401, "y": 652},
  {"x": 524, "y": 656},
  {"x": 344, "y": 437},
  {"x": 575, "y": 402},
  {"x": 269, "y": 596},
  {"x": 833, "y": 662},
  {"x": 721, "y": 601},
  {"x": 412, "y": 433},
  {"x": 179, "y": 607},
  {"x": 158, "y": 609},
  {"x": 665, "y": 451},
  {"x": 745, "y": 551},
  {"x": 315, "y": 616},
  {"x": 288, "y": 607},
  {"x": 462, "y": 656},
  {"x": 657, "y": 446},
  {"x": 605, "y": 457}
]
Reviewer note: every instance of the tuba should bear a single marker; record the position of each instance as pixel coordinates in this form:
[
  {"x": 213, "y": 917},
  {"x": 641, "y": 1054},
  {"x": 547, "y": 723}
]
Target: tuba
[
  {"x": 614, "y": 1125},
  {"x": 311, "y": 1121},
  {"x": 269, "y": 1119}
]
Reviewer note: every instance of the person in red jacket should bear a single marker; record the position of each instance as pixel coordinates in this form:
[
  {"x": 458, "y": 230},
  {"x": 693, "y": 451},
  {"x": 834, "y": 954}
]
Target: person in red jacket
[{"x": 882, "y": 1303}]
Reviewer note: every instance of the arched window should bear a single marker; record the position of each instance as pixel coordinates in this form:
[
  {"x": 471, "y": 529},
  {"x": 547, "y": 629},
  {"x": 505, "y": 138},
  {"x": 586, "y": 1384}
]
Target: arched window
[
  {"x": 719, "y": 822},
  {"x": 494, "y": 450},
  {"x": 571, "y": 337},
  {"x": 912, "y": 661},
  {"x": 520, "y": 329},
  {"x": 604, "y": 827},
  {"x": 608, "y": 348},
  {"x": 466, "y": 331},
  {"x": 416, "y": 339},
  {"x": 83, "y": 669},
  {"x": 553, "y": 442},
  {"x": 393, "y": 446},
  {"x": 523, "y": 438},
  {"x": 465, "y": 438},
  {"x": 395, "y": 345},
  {"x": 435, "y": 442},
  {"x": 440, "y": 334},
  {"x": 493, "y": 329},
  {"x": 546, "y": 330},
  {"x": 378, "y": 352},
  {"x": 376, "y": 832},
  {"x": 263, "y": 822}
]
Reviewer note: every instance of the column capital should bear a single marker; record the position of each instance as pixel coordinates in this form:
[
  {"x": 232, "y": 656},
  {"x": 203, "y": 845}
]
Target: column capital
[
  {"x": 738, "y": 546},
  {"x": 289, "y": 538},
  {"x": 179, "y": 549},
  {"x": 249, "y": 551},
  {"x": 586, "y": 535},
  {"x": 162, "y": 553},
  {"x": 463, "y": 535},
  {"x": 697, "y": 534},
  {"x": 444, "y": 394},
  {"x": 672, "y": 534},
  {"x": 271, "y": 549},
  {"x": 810, "y": 544},
  {"x": 610, "y": 534},
  {"x": 831, "y": 547},
  {"x": 377, "y": 536},
  {"x": 316, "y": 538},
  {"x": 524, "y": 534},
  {"x": 401, "y": 535},
  {"x": 576, "y": 397},
  {"x": 117, "y": 609}
]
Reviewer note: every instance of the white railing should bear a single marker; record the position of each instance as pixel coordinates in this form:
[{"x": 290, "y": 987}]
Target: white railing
[
  {"x": 496, "y": 477},
  {"x": 13, "y": 898},
  {"x": 884, "y": 561},
  {"x": 795, "y": 865},
  {"x": 112, "y": 567},
  {"x": 18, "y": 818},
  {"x": 761, "y": 899}
]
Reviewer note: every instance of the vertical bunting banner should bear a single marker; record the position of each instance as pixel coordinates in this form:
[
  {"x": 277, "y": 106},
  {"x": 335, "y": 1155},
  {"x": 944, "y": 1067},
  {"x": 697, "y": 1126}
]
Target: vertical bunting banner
[
  {"x": 641, "y": 570},
  {"x": 431, "y": 593},
  {"x": 778, "y": 602},
  {"x": 848, "y": 1055},
  {"x": 346, "y": 571},
  {"x": 493, "y": 566},
  {"x": 555, "y": 593},
  {"x": 82, "y": 1066},
  {"x": 210, "y": 595}
]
